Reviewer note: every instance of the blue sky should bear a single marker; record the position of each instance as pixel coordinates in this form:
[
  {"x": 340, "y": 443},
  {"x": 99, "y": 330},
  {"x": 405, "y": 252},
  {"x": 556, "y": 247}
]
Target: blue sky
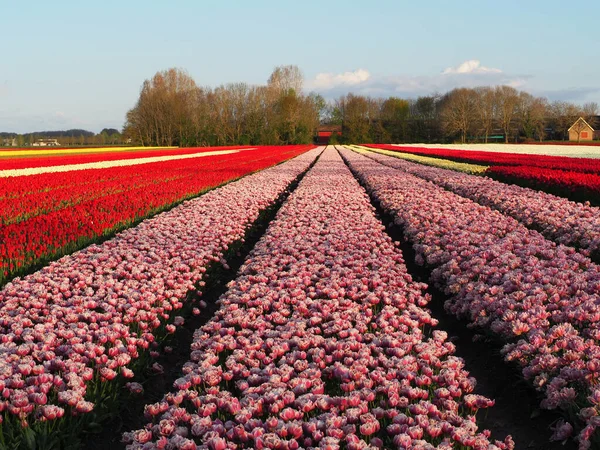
[{"x": 80, "y": 64}]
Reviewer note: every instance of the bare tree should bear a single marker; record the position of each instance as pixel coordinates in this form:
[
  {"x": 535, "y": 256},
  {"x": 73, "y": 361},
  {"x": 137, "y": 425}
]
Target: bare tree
[
  {"x": 523, "y": 118},
  {"x": 161, "y": 114},
  {"x": 286, "y": 78},
  {"x": 486, "y": 108},
  {"x": 353, "y": 112},
  {"x": 564, "y": 115},
  {"x": 425, "y": 117},
  {"x": 589, "y": 112},
  {"x": 538, "y": 114},
  {"x": 507, "y": 99},
  {"x": 459, "y": 113}
]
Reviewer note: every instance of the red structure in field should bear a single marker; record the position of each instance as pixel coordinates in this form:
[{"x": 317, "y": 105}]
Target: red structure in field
[{"x": 324, "y": 133}]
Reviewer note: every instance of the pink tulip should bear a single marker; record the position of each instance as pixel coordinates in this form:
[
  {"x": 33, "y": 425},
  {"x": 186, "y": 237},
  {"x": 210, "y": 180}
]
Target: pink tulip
[
  {"x": 307, "y": 297},
  {"x": 497, "y": 283}
]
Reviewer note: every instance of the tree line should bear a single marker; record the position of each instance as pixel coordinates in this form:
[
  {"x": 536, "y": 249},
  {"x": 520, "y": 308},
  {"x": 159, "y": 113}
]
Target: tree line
[
  {"x": 462, "y": 115},
  {"x": 173, "y": 110},
  {"x": 67, "y": 138}
]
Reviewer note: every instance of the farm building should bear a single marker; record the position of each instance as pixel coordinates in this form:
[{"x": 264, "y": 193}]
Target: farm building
[
  {"x": 324, "y": 133},
  {"x": 46, "y": 143},
  {"x": 583, "y": 131}
]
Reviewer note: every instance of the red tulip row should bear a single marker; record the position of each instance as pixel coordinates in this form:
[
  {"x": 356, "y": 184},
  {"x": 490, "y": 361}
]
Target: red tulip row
[
  {"x": 587, "y": 165},
  {"x": 62, "y": 159},
  {"x": 41, "y": 193},
  {"x": 541, "y": 298},
  {"x": 48, "y": 215},
  {"x": 558, "y": 219},
  {"x": 69, "y": 329},
  {"x": 320, "y": 343},
  {"x": 576, "y": 186}
]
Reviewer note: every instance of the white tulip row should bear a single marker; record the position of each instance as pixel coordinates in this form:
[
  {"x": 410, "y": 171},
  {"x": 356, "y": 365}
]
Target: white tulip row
[{"x": 108, "y": 164}]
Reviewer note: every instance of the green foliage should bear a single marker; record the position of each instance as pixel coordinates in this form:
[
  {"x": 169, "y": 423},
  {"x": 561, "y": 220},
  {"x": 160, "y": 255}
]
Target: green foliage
[{"x": 108, "y": 136}]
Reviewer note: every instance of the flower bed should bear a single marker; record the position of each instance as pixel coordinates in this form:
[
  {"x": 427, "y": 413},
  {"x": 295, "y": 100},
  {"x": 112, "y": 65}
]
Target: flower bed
[
  {"x": 77, "y": 324},
  {"x": 48, "y": 215},
  {"x": 588, "y": 165},
  {"x": 68, "y": 159},
  {"x": 558, "y": 219},
  {"x": 426, "y": 160},
  {"x": 11, "y": 152},
  {"x": 541, "y": 298},
  {"x": 320, "y": 343},
  {"x": 577, "y": 186}
]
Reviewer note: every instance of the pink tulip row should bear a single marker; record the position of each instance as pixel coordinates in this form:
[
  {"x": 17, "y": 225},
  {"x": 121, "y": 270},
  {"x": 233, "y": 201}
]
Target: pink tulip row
[
  {"x": 83, "y": 320},
  {"x": 557, "y": 218},
  {"x": 539, "y": 296},
  {"x": 320, "y": 343}
]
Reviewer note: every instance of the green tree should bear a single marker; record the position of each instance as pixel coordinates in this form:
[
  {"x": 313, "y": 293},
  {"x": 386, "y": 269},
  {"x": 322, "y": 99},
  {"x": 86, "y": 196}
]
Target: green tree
[{"x": 394, "y": 115}]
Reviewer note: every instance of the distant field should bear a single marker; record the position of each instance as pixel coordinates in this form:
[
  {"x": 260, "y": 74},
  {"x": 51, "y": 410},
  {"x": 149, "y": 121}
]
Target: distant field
[
  {"x": 573, "y": 150},
  {"x": 542, "y": 167},
  {"x": 31, "y": 164},
  {"x": 25, "y": 152}
]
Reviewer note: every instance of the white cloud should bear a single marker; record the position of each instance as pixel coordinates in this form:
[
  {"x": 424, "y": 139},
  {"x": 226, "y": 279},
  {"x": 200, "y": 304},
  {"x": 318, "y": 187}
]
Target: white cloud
[
  {"x": 361, "y": 82},
  {"x": 331, "y": 80},
  {"x": 470, "y": 66},
  {"x": 517, "y": 83}
]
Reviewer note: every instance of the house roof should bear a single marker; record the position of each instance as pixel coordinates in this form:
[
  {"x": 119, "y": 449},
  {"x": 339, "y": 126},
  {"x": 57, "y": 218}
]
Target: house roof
[
  {"x": 583, "y": 120},
  {"x": 332, "y": 128}
]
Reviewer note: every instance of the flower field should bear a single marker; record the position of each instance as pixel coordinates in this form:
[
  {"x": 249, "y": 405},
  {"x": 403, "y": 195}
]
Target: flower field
[
  {"x": 327, "y": 337},
  {"x": 577, "y": 186},
  {"x": 25, "y": 161},
  {"x": 11, "y": 152},
  {"x": 429, "y": 161},
  {"x": 82, "y": 322},
  {"x": 45, "y": 216},
  {"x": 320, "y": 342},
  {"x": 563, "y": 221},
  {"x": 504, "y": 278},
  {"x": 585, "y": 150},
  {"x": 587, "y": 165},
  {"x": 574, "y": 178}
]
